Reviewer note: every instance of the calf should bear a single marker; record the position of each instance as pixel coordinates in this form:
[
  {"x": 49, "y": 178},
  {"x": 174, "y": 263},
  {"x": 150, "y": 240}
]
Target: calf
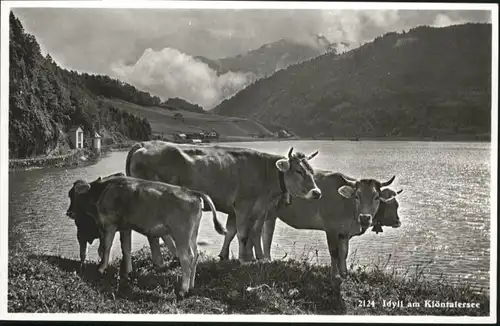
[
  {"x": 86, "y": 228},
  {"x": 151, "y": 208}
]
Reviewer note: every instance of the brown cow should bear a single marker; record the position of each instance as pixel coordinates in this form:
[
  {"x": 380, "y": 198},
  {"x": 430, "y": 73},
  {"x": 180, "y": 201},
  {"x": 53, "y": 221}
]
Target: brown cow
[
  {"x": 244, "y": 181},
  {"x": 345, "y": 210}
]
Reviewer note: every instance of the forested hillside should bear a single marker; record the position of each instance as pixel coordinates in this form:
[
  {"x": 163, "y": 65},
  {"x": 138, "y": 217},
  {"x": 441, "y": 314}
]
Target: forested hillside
[
  {"x": 427, "y": 82},
  {"x": 46, "y": 100},
  {"x": 177, "y": 103}
]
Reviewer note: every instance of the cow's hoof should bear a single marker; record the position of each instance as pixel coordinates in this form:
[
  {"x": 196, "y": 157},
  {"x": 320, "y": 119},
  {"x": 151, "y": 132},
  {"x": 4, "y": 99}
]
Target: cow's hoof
[
  {"x": 181, "y": 295},
  {"x": 101, "y": 270},
  {"x": 245, "y": 262},
  {"x": 223, "y": 257},
  {"x": 162, "y": 268},
  {"x": 175, "y": 263},
  {"x": 124, "y": 287},
  {"x": 337, "y": 280}
]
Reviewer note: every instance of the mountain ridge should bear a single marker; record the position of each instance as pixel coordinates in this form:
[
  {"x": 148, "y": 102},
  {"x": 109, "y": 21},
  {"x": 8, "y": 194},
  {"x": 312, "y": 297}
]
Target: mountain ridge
[{"x": 424, "y": 82}]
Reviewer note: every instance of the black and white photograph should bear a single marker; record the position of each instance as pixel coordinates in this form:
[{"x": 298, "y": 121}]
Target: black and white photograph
[{"x": 237, "y": 161}]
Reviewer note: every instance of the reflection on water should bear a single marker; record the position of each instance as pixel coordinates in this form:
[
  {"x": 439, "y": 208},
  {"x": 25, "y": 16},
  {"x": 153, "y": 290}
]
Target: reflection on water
[{"x": 444, "y": 208}]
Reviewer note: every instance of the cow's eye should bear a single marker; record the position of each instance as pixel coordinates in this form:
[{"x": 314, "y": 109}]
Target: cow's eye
[
  {"x": 300, "y": 172},
  {"x": 357, "y": 197}
]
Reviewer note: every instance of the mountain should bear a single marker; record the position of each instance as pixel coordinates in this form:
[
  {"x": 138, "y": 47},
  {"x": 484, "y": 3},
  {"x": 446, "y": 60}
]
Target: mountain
[
  {"x": 427, "y": 82},
  {"x": 45, "y": 100},
  {"x": 271, "y": 57}
]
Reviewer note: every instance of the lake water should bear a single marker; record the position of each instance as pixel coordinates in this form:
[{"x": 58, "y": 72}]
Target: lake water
[{"x": 444, "y": 208}]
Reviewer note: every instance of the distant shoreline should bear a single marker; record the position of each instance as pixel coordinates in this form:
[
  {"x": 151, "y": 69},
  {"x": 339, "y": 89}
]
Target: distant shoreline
[{"x": 73, "y": 158}]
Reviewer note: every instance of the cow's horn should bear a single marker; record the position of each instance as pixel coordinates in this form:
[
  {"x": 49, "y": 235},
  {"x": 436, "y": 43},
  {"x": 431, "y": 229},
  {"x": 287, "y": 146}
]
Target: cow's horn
[
  {"x": 385, "y": 184},
  {"x": 399, "y": 191},
  {"x": 312, "y": 155},
  {"x": 348, "y": 180},
  {"x": 290, "y": 153}
]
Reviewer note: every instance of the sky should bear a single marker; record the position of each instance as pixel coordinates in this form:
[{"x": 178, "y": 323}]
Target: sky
[{"x": 154, "y": 49}]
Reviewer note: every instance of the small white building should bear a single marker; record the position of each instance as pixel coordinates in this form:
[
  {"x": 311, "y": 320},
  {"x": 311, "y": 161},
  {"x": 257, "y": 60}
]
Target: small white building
[
  {"x": 96, "y": 143},
  {"x": 76, "y": 136}
]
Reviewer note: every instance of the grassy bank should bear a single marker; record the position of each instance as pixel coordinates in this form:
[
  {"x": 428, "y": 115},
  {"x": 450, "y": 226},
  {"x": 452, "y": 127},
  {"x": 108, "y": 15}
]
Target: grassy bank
[{"x": 38, "y": 283}]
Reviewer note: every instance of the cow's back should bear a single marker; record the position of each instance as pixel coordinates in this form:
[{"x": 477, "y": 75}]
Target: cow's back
[
  {"x": 221, "y": 172},
  {"x": 143, "y": 204}
]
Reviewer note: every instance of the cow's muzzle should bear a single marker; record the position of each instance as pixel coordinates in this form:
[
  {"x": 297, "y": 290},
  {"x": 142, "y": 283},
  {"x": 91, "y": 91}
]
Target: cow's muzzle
[
  {"x": 70, "y": 214},
  {"x": 365, "y": 220},
  {"x": 396, "y": 225},
  {"x": 314, "y": 194}
]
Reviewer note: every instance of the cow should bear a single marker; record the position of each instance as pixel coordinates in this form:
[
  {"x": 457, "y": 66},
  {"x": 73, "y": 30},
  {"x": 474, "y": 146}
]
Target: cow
[
  {"x": 244, "y": 181},
  {"x": 86, "y": 229},
  {"x": 345, "y": 210},
  {"x": 151, "y": 208}
]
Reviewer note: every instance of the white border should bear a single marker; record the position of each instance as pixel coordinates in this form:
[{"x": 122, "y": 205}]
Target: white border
[{"x": 4, "y": 103}]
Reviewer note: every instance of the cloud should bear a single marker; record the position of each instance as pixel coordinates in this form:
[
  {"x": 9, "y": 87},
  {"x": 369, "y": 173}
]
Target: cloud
[
  {"x": 443, "y": 20},
  {"x": 170, "y": 73},
  {"x": 116, "y": 41}
]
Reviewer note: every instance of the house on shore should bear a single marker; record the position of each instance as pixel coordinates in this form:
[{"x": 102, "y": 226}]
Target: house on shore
[
  {"x": 76, "y": 136},
  {"x": 96, "y": 143}
]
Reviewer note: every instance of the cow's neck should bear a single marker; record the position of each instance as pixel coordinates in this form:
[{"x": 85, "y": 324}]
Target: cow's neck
[{"x": 286, "y": 198}]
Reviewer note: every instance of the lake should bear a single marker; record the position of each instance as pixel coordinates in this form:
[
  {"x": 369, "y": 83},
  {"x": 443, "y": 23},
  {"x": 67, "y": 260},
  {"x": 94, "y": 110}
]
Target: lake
[{"x": 444, "y": 208}]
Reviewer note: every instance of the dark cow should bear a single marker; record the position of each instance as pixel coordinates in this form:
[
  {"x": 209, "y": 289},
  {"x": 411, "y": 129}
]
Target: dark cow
[
  {"x": 86, "y": 228},
  {"x": 244, "y": 181},
  {"x": 345, "y": 210},
  {"x": 151, "y": 208}
]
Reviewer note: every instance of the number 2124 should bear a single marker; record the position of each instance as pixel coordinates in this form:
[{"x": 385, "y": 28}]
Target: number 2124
[{"x": 366, "y": 303}]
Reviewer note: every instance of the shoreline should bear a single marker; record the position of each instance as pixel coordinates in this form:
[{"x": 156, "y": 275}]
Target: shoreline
[{"x": 73, "y": 158}]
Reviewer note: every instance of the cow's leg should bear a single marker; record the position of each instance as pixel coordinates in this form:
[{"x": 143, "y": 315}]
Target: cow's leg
[
  {"x": 333, "y": 248},
  {"x": 230, "y": 234},
  {"x": 256, "y": 237},
  {"x": 100, "y": 250},
  {"x": 267, "y": 235},
  {"x": 244, "y": 224},
  {"x": 126, "y": 244},
  {"x": 343, "y": 251},
  {"x": 186, "y": 256},
  {"x": 108, "y": 237},
  {"x": 194, "y": 247},
  {"x": 169, "y": 242},
  {"x": 154, "y": 245},
  {"x": 83, "y": 249}
]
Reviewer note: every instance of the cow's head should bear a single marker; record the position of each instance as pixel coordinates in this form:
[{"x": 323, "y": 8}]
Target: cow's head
[
  {"x": 387, "y": 214},
  {"x": 81, "y": 202},
  {"x": 299, "y": 175},
  {"x": 366, "y": 194}
]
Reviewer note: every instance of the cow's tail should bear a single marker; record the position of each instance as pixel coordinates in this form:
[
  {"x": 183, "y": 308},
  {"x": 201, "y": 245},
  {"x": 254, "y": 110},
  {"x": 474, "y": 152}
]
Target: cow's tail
[
  {"x": 217, "y": 224},
  {"x": 131, "y": 152}
]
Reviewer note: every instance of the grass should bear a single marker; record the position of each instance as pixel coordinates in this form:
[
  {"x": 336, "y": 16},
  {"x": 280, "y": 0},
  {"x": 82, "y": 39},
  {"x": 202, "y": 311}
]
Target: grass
[
  {"x": 163, "y": 121},
  {"x": 43, "y": 283}
]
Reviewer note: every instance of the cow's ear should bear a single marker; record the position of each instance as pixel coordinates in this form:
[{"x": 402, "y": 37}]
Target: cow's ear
[
  {"x": 283, "y": 165},
  {"x": 82, "y": 188},
  {"x": 388, "y": 200},
  {"x": 346, "y": 191}
]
